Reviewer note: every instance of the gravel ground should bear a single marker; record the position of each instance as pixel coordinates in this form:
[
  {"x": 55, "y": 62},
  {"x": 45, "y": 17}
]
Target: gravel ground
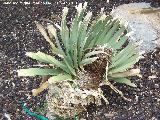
[{"x": 19, "y": 34}]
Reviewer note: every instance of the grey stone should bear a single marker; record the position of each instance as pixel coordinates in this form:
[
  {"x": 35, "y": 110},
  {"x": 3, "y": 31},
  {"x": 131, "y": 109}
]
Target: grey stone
[{"x": 142, "y": 21}]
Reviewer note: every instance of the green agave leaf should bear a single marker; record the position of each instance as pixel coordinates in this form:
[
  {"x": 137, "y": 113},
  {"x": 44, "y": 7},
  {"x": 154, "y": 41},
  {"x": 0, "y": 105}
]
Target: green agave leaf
[
  {"x": 83, "y": 27},
  {"x": 75, "y": 58},
  {"x": 69, "y": 60},
  {"x": 82, "y": 35},
  {"x": 93, "y": 32},
  {"x": 88, "y": 61},
  {"x": 127, "y": 64},
  {"x": 38, "y": 71},
  {"x": 109, "y": 24},
  {"x": 116, "y": 36},
  {"x": 81, "y": 10},
  {"x": 95, "y": 27},
  {"x": 123, "y": 59},
  {"x": 69, "y": 66},
  {"x": 97, "y": 23},
  {"x": 64, "y": 32},
  {"x": 102, "y": 32},
  {"x": 81, "y": 51},
  {"x": 101, "y": 37},
  {"x": 124, "y": 81},
  {"x": 127, "y": 49},
  {"x": 111, "y": 32},
  {"x": 125, "y": 55},
  {"x": 48, "y": 59},
  {"x": 118, "y": 45},
  {"x": 75, "y": 32},
  {"x": 73, "y": 40},
  {"x": 54, "y": 61},
  {"x": 37, "y": 57},
  {"x": 59, "y": 78}
]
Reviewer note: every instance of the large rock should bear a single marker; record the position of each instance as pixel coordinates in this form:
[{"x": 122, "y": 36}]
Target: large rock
[{"x": 142, "y": 21}]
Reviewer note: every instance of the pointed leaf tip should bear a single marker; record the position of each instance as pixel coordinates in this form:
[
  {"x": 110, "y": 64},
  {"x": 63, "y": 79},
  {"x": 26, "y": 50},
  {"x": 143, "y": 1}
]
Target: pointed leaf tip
[{"x": 65, "y": 11}]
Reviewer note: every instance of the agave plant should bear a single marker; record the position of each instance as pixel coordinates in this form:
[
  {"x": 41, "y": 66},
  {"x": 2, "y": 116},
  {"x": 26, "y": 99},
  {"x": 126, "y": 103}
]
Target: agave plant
[{"x": 87, "y": 54}]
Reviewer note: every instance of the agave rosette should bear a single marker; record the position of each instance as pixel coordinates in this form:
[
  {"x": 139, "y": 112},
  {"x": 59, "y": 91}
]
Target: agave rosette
[{"x": 78, "y": 42}]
